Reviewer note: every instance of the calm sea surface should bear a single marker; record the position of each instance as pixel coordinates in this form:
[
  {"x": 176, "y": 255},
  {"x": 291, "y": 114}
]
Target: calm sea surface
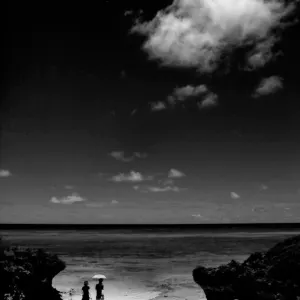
[{"x": 151, "y": 256}]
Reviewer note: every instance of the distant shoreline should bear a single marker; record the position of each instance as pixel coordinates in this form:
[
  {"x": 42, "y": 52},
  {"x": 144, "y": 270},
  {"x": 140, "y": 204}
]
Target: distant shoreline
[{"x": 160, "y": 227}]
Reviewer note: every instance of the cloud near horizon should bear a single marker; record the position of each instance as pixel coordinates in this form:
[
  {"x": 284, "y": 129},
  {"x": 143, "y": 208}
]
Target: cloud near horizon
[
  {"x": 164, "y": 189},
  {"x": 209, "y": 100},
  {"x": 68, "y": 200},
  {"x": 120, "y": 155},
  {"x": 158, "y": 189},
  {"x": 196, "y": 33},
  {"x": 268, "y": 86},
  {"x": 69, "y": 187},
  {"x": 5, "y": 173},
  {"x": 173, "y": 173},
  {"x": 132, "y": 176},
  {"x": 158, "y": 106},
  {"x": 234, "y": 195}
]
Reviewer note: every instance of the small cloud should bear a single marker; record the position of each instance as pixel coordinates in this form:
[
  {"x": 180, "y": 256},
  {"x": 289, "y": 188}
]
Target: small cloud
[
  {"x": 164, "y": 189},
  {"x": 131, "y": 12},
  {"x": 140, "y": 155},
  {"x": 114, "y": 202},
  {"x": 132, "y": 176},
  {"x": 210, "y": 100},
  {"x": 263, "y": 187},
  {"x": 5, "y": 173},
  {"x": 157, "y": 106},
  {"x": 173, "y": 173},
  {"x": 119, "y": 155},
  {"x": 197, "y": 216},
  {"x": 234, "y": 195},
  {"x": 182, "y": 93},
  {"x": 68, "y": 200},
  {"x": 128, "y": 13},
  {"x": 268, "y": 86},
  {"x": 69, "y": 187},
  {"x": 261, "y": 54},
  {"x": 133, "y": 112},
  {"x": 136, "y": 187}
]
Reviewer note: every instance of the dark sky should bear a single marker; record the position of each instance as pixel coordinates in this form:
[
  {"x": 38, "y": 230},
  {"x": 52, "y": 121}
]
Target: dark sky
[{"x": 132, "y": 113}]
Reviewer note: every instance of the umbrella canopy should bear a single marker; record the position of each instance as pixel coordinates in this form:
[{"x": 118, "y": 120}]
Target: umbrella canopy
[{"x": 99, "y": 276}]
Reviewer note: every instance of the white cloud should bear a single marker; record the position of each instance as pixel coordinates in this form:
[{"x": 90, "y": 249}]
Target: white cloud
[
  {"x": 164, "y": 189},
  {"x": 182, "y": 93},
  {"x": 261, "y": 54},
  {"x": 134, "y": 111},
  {"x": 196, "y": 33},
  {"x": 114, "y": 202},
  {"x": 263, "y": 187},
  {"x": 209, "y": 100},
  {"x": 268, "y": 86},
  {"x": 132, "y": 176},
  {"x": 5, "y": 173},
  {"x": 120, "y": 155},
  {"x": 173, "y": 173},
  {"x": 128, "y": 13},
  {"x": 69, "y": 187},
  {"x": 68, "y": 200},
  {"x": 197, "y": 216},
  {"x": 157, "y": 106},
  {"x": 234, "y": 195},
  {"x": 136, "y": 187},
  {"x": 140, "y": 155}
]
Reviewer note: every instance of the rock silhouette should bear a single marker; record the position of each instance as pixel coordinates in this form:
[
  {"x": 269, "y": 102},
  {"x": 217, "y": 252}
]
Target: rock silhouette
[
  {"x": 273, "y": 274},
  {"x": 27, "y": 274}
]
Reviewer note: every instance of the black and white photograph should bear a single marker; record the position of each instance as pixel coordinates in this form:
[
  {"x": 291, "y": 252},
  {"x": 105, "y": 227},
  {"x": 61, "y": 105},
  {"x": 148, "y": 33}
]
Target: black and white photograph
[{"x": 150, "y": 150}]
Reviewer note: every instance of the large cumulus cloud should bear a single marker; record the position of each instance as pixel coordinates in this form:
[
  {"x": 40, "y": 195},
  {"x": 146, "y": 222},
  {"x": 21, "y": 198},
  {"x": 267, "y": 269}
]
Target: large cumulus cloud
[{"x": 196, "y": 33}]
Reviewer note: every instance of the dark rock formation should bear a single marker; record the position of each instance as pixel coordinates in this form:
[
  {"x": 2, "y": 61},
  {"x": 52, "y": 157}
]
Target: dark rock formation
[
  {"x": 274, "y": 274},
  {"x": 27, "y": 274}
]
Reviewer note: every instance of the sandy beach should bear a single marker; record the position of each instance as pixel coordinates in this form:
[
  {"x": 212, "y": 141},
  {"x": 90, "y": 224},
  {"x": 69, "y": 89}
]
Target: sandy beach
[
  {"x": 139, "y": 267},
  {"x": 126, "y": 285},
  {"x": 115, "y": 289}
]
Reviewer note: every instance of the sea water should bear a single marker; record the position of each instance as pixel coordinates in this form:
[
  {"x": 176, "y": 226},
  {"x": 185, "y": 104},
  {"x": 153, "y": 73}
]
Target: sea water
[{"x": 143, "y": 261}]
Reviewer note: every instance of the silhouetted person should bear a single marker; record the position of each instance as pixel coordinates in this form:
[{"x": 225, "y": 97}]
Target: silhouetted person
[
  {"x": 99, "y": 290},
  {"x": 85, "y": 291}
]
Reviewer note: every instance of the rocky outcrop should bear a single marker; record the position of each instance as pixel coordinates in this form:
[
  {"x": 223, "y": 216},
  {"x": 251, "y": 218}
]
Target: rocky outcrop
[
  {"x": 27, "y": 274},
  {"x": 274, "y": 274}
]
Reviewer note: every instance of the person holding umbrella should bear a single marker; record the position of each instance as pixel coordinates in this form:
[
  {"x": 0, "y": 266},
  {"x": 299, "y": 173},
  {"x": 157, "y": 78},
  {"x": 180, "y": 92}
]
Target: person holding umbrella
[
  {"x": 99, "y": 287},
  {"x": 99, "y": 290}
]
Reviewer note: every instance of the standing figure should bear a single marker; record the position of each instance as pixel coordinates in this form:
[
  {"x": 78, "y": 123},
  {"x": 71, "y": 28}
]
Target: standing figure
[
  {"x": 85, "y": 291},
  {"x": 99, "y": 290}
]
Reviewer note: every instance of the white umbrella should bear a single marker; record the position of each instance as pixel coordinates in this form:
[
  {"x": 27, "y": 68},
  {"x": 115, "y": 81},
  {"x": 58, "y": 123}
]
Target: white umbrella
[{"x": 99, "y": 276}]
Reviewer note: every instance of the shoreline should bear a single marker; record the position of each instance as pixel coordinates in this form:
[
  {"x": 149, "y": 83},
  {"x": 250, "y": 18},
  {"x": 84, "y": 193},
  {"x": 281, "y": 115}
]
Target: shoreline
[{"x": 171, "y": 287}]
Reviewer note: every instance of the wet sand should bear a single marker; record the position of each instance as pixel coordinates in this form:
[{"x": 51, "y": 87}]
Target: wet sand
[{"x": 117, "y": 290}]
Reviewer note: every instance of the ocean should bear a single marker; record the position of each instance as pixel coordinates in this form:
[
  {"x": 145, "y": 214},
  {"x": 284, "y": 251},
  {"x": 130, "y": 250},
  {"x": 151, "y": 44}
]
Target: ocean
[{"x": 142, "y": 264}]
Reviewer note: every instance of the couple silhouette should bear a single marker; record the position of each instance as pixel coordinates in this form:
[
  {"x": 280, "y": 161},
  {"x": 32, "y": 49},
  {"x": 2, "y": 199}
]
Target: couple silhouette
[{"x": 99, "y": 289}]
